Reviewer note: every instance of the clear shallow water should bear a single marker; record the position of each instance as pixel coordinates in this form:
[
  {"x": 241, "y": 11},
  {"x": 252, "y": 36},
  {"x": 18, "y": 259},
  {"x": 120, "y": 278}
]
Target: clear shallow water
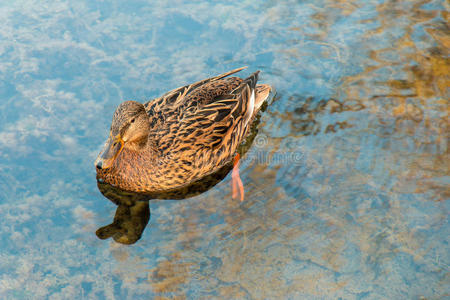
[{"x": 347, "y": 183}]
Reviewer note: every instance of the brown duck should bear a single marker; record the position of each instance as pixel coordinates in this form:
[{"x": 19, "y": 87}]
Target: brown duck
[{"x": 181, "y": 137}]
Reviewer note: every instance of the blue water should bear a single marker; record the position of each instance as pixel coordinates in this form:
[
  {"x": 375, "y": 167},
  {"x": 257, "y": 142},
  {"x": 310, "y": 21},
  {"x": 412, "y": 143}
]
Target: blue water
[{"x": 346, "y": 184}]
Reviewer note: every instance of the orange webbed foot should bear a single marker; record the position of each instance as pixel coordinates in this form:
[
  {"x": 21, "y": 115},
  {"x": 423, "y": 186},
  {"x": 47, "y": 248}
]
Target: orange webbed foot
[{"x": 236, "y": 180}]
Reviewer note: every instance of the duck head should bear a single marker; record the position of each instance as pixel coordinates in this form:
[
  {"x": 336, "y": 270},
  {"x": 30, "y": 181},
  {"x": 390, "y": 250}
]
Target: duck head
[{"x": 129, "y": 130}]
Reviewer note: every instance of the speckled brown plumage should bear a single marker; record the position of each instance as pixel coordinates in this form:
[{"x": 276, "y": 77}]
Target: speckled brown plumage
[{"x": 186, "y": 134}]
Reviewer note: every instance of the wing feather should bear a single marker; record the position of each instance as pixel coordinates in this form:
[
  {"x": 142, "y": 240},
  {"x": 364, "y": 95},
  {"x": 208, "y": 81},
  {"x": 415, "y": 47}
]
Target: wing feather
[{"x": 226, "y": 117}]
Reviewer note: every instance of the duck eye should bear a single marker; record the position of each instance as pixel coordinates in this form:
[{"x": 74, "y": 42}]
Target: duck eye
[{"x": 132, "y": 121}]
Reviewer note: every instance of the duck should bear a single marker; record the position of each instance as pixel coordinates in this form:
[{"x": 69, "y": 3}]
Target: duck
[{"x": 183, "y": 136}]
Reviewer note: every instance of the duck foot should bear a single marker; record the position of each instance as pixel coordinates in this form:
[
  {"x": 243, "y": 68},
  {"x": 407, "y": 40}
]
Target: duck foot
[{"x": 236, "y": 180}]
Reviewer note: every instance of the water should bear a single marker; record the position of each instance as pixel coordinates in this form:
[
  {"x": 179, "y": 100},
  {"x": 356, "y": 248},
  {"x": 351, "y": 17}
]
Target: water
[{"x": 347, "y": 182}]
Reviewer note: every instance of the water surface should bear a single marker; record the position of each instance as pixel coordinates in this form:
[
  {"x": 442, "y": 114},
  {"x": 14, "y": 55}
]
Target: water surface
[{"x": 347, "y": 182}]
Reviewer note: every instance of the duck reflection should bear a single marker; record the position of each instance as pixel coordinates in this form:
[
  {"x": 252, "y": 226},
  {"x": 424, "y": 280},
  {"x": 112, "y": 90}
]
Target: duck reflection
[
  {"x": 131, "y": 218},
  {"x": 133, "y": 211}
]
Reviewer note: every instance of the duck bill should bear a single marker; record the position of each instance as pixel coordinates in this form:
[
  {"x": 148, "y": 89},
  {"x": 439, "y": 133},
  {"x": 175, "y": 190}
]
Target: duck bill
[{"x": 109, "y": 153}]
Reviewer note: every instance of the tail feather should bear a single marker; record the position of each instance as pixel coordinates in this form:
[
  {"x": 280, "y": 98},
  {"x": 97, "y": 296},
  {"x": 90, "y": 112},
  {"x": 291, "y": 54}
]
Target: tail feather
[
  {"x": 250, "y": 84},
  {"x": 256, "y": 96},
  {"x": 252, "y": 79},
  {"x": 262, "y": 93}
]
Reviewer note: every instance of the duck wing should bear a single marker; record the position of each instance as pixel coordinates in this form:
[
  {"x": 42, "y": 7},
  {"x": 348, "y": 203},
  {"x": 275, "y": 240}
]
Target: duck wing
[
  {"x": 172, "y": 106},
  {"x": 223, "y": 120},
  {"x": 172, "y": 100},
  {"x": 195, "y": 140}
]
